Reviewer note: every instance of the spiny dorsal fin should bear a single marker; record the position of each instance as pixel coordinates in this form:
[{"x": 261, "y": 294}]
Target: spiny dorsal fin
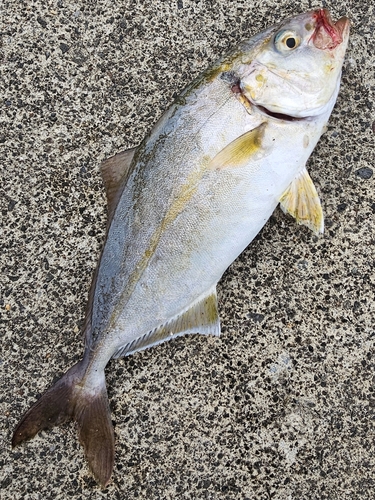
[
  {"x": 202, "y": 317},
  {"x": 302, "y": 202},
  {"x": 239, "y": 152},
  {"x": 115, "y": 173}
]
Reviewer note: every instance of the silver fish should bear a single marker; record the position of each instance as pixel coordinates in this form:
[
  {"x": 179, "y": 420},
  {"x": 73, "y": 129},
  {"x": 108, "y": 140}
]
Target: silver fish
[{"x": 186, "y": 202}]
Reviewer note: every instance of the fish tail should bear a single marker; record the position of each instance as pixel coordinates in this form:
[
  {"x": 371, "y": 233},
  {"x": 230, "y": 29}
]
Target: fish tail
[{"x": 70, "y": 399}]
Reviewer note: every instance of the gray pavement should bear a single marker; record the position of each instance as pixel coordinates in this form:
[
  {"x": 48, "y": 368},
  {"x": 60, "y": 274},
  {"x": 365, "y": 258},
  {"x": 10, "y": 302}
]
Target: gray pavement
[{"x": 282, "y": 406}]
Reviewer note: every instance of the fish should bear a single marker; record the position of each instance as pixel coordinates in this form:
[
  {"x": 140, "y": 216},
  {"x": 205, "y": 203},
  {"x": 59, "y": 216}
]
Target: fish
[{"x": 188, "y": 200}]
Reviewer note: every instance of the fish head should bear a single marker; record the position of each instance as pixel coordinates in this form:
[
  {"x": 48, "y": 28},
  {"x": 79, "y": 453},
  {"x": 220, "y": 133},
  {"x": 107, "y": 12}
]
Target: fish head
[{"x": 295, "y": 69}]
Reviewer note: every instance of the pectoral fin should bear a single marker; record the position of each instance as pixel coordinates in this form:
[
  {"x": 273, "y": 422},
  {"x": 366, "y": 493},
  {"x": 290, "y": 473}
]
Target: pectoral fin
[
  {"x": 201, "y": 317},
  {"x": 239, "y": 152},
  {"x": 115, "y": 171},
  {"x": 302, "y": 202}
]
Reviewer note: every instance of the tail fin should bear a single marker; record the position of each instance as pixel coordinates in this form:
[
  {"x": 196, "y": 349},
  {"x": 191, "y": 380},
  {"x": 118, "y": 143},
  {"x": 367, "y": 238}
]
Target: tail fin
[{"x": 70, "y": 399}]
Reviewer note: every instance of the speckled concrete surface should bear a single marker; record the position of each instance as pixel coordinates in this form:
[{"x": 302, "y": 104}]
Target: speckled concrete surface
[{"x": 282, "y": 406}]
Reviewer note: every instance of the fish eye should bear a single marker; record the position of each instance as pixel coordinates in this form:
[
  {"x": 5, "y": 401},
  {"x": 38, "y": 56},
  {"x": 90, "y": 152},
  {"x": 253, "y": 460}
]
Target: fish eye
[{"x": 285, "y": 41}]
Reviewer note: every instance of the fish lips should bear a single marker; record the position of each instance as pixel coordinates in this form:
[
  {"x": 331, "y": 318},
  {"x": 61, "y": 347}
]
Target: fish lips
[{"x": 327, "y": 34}]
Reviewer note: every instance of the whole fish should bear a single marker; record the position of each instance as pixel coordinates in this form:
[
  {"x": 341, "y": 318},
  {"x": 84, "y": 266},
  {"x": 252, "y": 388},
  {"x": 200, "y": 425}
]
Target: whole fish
[{"x": 186, "y": 202}]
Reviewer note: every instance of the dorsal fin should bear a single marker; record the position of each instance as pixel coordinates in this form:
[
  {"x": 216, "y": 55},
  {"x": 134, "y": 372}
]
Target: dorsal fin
[
  {"x": 239, "y": 152},
  {"x": 202, "y": 317},
  {"x": 115, "y": 173},
  {"x": 301, "y": 201}
]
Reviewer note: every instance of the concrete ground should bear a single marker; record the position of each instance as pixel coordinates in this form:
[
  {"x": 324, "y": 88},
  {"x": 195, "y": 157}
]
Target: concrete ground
[{"x": 282, "y": 406}]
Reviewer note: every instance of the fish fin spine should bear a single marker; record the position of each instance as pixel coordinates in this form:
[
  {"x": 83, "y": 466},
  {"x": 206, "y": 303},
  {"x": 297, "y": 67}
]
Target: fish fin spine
[{"x": 68, "y": 400}]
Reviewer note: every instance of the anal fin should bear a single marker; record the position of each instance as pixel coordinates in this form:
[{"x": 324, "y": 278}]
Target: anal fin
[
  {"x": 301, "y": 201},
  {"x": 201, "y": 317}
]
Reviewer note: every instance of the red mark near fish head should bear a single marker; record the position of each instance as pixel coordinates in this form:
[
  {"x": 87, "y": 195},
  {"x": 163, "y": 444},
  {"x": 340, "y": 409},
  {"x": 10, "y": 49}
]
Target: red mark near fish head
[{"x": 327, "y": 35}]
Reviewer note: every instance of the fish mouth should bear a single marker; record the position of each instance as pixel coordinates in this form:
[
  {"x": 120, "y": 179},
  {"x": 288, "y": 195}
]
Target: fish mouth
[
  {"x": 278, "y": 116},
  {"x": 249, "y": 103},
  {"x": 327, "y": 34}
]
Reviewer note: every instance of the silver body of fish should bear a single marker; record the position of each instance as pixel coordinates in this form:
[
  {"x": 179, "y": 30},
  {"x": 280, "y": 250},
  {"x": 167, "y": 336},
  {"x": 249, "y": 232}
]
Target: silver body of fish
[{"x": 185, "y": 203}]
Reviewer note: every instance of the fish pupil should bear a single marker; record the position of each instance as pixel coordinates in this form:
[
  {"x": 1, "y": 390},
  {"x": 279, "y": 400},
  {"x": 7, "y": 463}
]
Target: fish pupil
[{"x": 290, "y": 42}]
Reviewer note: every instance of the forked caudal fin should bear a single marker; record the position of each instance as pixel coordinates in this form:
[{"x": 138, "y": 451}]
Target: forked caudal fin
[{"x": 69, "y": 399}]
